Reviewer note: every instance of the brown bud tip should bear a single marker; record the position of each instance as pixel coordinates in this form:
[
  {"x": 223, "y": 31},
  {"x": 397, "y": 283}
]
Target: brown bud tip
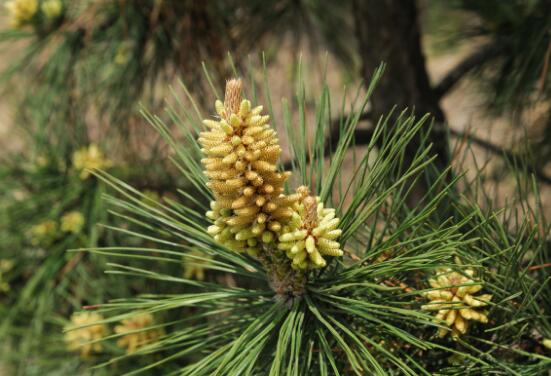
[
  {"x": 232, "y": 100},
  {"x": 92, "y": 307},
  {"x": 311, "y": 215},
  {"x": 303, "y": 191}
]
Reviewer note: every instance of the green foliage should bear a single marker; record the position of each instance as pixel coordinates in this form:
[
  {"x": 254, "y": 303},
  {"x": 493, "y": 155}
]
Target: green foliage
[
  {"x": 520, "y": 29},
  {"x": 46, "y": 283},
  {"x": 102, "y": 58},
  {"x": 47, "y": 206},
  {"x": 80, "y": 77},
  {"x": 96, "y": 60},
  {"x": 360, "y": 315}
]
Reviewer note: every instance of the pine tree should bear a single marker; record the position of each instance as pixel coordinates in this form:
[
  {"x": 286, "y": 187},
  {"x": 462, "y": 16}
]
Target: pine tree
[
  {"x": 367, "y": 310},
  {"x": 315, "y": 259}
]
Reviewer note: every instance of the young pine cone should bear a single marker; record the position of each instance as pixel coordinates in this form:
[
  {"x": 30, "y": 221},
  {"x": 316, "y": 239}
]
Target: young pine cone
[
  {"x": 241, "y": 152},
  {"x": 311, "y": 234},
  {"x": 82, "y": 333},
  {"x": 455, "y": 301},
  {"x": 136, "y": 332}
]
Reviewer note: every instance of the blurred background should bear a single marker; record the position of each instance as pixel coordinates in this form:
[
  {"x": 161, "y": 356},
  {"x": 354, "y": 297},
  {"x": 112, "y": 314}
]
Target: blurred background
[{"x": 76, "y": 73}]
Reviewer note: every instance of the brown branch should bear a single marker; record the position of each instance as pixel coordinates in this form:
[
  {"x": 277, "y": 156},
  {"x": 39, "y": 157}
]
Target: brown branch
[
  {"x": 474, "y": 60},
  {"x": 536, "y": 267},
  {"x": 502, "y": 152},
  {"x": 545, "y": 68}
]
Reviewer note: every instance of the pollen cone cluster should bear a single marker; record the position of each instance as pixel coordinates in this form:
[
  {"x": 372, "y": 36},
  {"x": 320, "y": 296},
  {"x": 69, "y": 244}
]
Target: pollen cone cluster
[
  {"x": 311, "y": 233},
  {"x": 136, "y": 332},
  {"x": 83, "y": 331},
  {"x": 21, "y": 11},
  {"x": 90, "y": 158},
  {"x": 241, "y": 152},
  {"x": 250, "y": 212},
  {"x": 455, "y": 302}
]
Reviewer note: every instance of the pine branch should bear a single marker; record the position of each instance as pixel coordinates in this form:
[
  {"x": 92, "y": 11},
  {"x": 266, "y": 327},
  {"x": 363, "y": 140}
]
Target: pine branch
[
  {"x": 511, "y": 156},
  {"x": 362, "y": 136},
  {"x": 474, "y": 60}
]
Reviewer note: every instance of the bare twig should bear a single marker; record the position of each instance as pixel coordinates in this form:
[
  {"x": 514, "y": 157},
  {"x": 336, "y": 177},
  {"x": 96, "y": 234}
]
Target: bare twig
[
  {"x": 474, "y": 60},
  {"x": 536, "y": 267}
]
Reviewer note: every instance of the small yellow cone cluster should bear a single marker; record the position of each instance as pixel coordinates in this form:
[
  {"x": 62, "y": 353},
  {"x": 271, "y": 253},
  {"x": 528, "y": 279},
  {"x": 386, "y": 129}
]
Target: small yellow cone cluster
[
  {"x": 5, "y": 266},
  {"x": 241, "y": 152},
  {"x": 90, "y": 158},
  {"x": 311, "y": 233},
  {"x": 52, "y": 8},
  {"x": 21, "y": 11},
  {"x": 82, "y": 330},
  {"x": 135, "y": 333},
  {"x": 455, "y": 301},
  {"x": 43, "y": 233},
  {"x": 194, "y": 267},
  {"x": 72, "y": 222}
]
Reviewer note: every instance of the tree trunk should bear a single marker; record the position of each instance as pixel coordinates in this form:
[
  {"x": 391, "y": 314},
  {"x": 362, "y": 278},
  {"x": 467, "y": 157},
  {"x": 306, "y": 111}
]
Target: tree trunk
[{"x": 388, "y": 31}]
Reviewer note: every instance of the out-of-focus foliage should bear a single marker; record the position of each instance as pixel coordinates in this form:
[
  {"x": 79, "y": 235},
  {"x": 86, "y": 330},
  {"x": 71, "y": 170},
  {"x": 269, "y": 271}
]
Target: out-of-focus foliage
[
  {"x": 48, "y": 208},
  {"x": 99, "y": 58},
  {"x": 521, "y": 30},
  {"x": 45, "y": 209},
  {"x": 516, "y": 76}
]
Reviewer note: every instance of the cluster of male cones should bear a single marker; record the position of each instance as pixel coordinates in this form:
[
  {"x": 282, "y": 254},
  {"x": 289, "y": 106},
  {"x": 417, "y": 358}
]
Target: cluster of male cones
[
  {"x": 454, "y": 300},
  {"x": 250, "y": 210},
  {"x": 288, "y": 233},
  {"x": 291, "y": 233}
]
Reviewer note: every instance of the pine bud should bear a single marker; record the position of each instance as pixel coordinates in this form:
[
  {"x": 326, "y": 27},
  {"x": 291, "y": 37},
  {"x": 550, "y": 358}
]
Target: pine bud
[
  {"x": 83, "y": 331},
  {"x": 310, "y": 233},
  {"x": 453, "y": 298},
  {"x": 136, "y": 332}
]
